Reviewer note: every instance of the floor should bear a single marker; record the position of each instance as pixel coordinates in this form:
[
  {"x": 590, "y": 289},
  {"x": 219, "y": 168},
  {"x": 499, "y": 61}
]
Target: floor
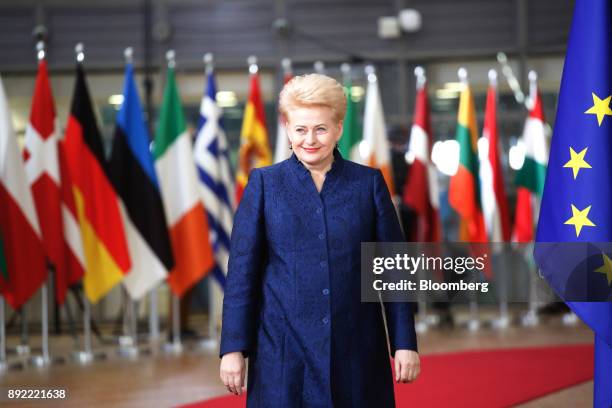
[{"x": 158, "y": 379}]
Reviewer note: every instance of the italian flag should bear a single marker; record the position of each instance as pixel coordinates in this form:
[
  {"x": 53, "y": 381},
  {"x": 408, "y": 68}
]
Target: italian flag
[
  {"x": 464, "y": 188},
  {"x": 421, "y": 188},
  {"x": 178, "y": 182},
  {"x": 530, "y": 178},
  {"x": 19, "y": 228},
  {"x": 494, "y": 202}
]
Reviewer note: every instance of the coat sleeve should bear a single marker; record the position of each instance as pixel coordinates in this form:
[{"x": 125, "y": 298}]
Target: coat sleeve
[
  {"x": 246, "y": 258},
  {"x": 399, "y": 315}
]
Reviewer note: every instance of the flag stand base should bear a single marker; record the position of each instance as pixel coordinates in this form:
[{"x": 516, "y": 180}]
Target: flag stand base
[
  {"x": 530, "y": 319},
  {"x": 82, "y": 357},
  {"x": 127, "y": 348},
  {"x": 569, "y": 319},
  {"x": 207, "y": 345},
  {"x": 173, "y": 348},
  {"x": 40, "y": 361}
]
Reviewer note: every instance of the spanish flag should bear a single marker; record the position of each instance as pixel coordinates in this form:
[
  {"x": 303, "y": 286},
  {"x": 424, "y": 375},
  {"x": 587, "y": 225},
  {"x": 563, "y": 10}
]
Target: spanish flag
[
  {"x": 464, "y": 189},
  {"x": 107, "y": 258},
  {"x": 254, "y": 146}
]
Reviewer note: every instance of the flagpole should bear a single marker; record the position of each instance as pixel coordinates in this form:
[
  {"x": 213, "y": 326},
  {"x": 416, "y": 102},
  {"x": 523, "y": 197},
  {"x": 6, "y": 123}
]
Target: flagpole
[
  {"x": 3, "y": 362},
  {"x": 319, "y": 67}
]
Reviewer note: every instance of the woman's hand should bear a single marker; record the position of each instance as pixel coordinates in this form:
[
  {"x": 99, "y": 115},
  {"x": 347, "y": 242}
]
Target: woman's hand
[
  {"x": 232, "y": 371},
  {"x": 407, "y": 365}
]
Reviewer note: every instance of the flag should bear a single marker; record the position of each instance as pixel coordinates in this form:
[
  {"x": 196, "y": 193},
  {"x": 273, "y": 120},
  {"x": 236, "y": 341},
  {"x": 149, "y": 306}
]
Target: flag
[
  {"x": 493, "y": 192},
  {"x": 254, "y": 148},
  {"x": 351, "y": 129},
  {"x": 132, "y": 173},
  {"x": 178, "y": 182},
  {"x": 4, "y": 276},
  {"x": 576, "y": 203},
  {"x": 215, "y": 177},
  {"x": 19, "y": 228},
  {"x": 107, "y": 259},
  {"x": 74, "y": 255},
  {"x": 281, "y": 150},
  {"x": 464, "y": 187},
  {"x": 378, "y": 154},
  {"x": 530, "y": 178},
  {"x": 42, "y": 169},
  {"x": 421, "y": 187}
]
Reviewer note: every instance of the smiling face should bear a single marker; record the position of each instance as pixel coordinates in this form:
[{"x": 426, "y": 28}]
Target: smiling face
[{"x": 313, "y": 134}]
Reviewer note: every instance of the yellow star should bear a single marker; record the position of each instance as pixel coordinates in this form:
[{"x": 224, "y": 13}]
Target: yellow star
[
  {"x": 606, "y": 268},
  {"x": 577, "y": 161},
  {"x": 601, "y": 108},
  {"x": 580, "y": 219}
]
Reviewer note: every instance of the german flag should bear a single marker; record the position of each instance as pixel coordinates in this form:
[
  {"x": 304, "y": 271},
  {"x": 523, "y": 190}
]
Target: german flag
[{"x": 107, "y": 258}]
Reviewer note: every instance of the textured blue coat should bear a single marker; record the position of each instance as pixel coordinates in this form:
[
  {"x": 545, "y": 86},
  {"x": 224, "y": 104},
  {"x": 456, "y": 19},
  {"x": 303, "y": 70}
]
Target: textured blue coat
[{"x": 292, "y": 301}]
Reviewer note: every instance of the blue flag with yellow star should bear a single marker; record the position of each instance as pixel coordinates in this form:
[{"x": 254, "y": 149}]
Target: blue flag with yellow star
[{"x": 574, "y": 234}]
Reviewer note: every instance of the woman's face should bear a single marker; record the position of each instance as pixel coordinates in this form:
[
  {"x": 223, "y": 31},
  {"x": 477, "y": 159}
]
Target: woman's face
[{"x": 313, "y": 134}]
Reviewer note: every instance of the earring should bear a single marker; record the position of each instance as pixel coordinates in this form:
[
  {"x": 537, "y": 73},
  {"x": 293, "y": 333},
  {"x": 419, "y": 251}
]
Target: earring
[{"x": 290, "y": 147}]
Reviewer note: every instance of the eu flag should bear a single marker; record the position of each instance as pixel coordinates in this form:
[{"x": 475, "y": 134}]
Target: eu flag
[{"x": 575, "y": 225}]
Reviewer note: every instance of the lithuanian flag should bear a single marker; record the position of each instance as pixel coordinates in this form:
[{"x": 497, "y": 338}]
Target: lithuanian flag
[
  {"x": 104, "y": 245},
  {"x": 254, "y": 146},
  {"x": 464, "y": 189}
]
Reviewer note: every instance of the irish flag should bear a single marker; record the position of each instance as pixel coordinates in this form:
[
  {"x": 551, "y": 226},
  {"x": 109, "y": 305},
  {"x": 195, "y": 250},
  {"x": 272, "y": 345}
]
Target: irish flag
[
  {"x": 494, "y": 202},
  {"x": 530, "y": 178},
  {"x": 254, "y": 146},
  {"x": 178, "y": 182},
  {"x": 19, "y": 228},
  {"x": 421, "y": 188},
  {"x": 378, "y": 154},
  {"x": 464, "y": 188}
]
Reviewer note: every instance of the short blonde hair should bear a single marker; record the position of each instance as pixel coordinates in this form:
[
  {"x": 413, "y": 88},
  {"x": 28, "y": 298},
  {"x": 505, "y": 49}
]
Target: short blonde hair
[{"x": 313, "y": 90}]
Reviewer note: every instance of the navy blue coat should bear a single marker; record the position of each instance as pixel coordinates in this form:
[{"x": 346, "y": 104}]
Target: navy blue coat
[{"x": 292, "y": 300}]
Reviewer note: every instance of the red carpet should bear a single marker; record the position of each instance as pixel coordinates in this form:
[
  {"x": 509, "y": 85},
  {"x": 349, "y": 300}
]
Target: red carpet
[{"x": 484, "y": 378}]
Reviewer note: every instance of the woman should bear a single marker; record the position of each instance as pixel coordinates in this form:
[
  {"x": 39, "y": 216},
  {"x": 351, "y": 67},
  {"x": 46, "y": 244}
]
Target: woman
[{"x": 292, "y": 300}]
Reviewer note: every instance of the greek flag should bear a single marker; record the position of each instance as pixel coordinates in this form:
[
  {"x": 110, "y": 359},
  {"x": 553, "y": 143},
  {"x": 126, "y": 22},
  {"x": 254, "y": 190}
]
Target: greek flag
[{"x": 215, "y": 175}]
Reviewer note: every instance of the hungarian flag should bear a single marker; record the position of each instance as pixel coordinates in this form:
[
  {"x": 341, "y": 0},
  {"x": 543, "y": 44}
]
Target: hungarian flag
[
  {"x": 531, "y": 176},
  {"x": 4, "y": 276},
  {"x": 375, "y": 134},
  {"x": 464, "y": 188},
  {"x": 42, "y": 169},
  {"x": 254, "y": 146},
  {"x": 107, "y": 259},
  {"x": 74, "y": 256},
  {"x": 19, "y": 228},
  {"x": 132, "y": 173},
  {"x": 281, "y": 150},
  {"x": 421, "y": 188},
  {"x": 185, "y": 214},
  {"x": 494, "y": 202},
  {"x": 351, "y": 129}
]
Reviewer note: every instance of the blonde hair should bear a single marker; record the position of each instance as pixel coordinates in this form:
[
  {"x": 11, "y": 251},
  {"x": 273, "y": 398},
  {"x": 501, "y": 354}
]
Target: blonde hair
[{"x": 313, "y": 90}]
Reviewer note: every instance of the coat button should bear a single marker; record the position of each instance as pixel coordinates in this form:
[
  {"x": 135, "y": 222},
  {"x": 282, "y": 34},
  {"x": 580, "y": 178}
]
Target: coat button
[
  {"x": 321, "y": 236},
  {"x": 319, "y": 210},
  {"x": 325, "y": 320},
  {"x": 322, "y": 264},
  {"x": 325, "y": 291}
]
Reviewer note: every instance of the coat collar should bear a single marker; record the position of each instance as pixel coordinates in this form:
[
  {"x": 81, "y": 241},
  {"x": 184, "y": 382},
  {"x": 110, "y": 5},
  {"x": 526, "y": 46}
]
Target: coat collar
[{"x": 330, "y": 177}]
